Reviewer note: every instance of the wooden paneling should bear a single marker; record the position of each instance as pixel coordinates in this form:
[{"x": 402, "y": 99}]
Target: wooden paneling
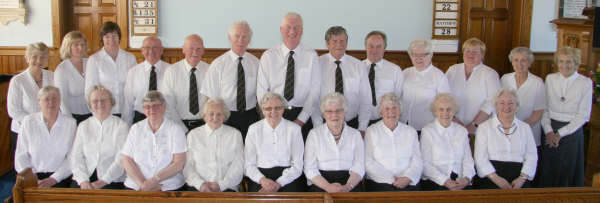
[
  {"x": 88, "y": 16},
  {"x": 6, "y": 154}
]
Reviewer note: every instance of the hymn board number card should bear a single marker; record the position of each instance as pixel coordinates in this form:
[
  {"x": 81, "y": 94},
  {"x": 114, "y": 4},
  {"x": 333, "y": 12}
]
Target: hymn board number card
[
  {"x": 446, "y": 15},
  {"x": 144, "y": 17}
]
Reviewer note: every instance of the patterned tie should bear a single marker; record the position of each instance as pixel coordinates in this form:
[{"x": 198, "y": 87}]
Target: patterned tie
[
  {"x": 339, "y": 81},
  {"x": 372, "y": 82},
  {"x": 194, "y": 106},
  {"x": 152, "y": 83},
  {"x": 288, "y": 91},
  {"x": 241, "y": 86}
]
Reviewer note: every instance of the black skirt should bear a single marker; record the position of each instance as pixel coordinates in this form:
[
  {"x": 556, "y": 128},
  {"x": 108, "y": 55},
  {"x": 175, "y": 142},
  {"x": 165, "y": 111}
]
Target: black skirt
[
  {"x": 563, "y": 166},
  {"x": 429, "y": 185},
  {"x": 298, "y": 185},
  {"x": 340, "y": 177},
  {"x": 94, "y": 177},
  {"x": 62, "y": 184},
  {"x": 81, "y": 117},
  {"x": 372, "y": 186},
  {"x": 505, "y": 169}
]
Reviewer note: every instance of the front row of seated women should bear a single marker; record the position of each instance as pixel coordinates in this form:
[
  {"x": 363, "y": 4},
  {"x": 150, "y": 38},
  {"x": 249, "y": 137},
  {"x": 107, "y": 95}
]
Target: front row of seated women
[{"x": 153, "y": 154}]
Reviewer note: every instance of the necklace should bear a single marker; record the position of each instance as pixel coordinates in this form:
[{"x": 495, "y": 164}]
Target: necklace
[{"x": 502, "y": 129}]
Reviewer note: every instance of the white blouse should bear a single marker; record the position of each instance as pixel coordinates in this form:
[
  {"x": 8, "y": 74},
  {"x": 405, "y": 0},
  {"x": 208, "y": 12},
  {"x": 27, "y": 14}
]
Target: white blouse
[
  {"x": 279, "y": 147},
  {"x": 390, "y": 154},
  {"x": 45, "y": 150},
  {"x": 21, "y": 99},
  {"x": 322, "y": 153},
  {"x": 492, "y": 144},
  {"x": 214, "y": 156},
  {"x": 71, "y": 84},
  {"x": 97, "y": 146},
  {"x": 420, "y": 88},
  {"x": 446, "y": 150},
  {"x": 532, "y": 97}
]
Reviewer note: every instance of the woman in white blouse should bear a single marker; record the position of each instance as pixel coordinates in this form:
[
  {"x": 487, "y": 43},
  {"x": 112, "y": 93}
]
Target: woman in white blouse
[
  {"x": 22, "y": 97},
  {"x": 70, "y": 76},
  {"x": 569, "y": 107},
  {"x": 473, "y": 84},
  {"x": 422, "y": 82},
  {"x": 45, "y": 141},
  {"x": 109, "y": 65},
  {"x": 95, "y": 155},
  {"x": 447, "y": 160},
  {"x": 334, "y": 159},
  {"x": 505, "y": 152},
  {"x": 392, "y": 153},
  {"x": 274, "y": 150},
  {"x": 215, "y": 160}
]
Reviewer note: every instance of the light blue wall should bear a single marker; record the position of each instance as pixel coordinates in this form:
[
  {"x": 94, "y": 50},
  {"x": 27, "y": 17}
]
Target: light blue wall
[{"x": 543, "y": 33}]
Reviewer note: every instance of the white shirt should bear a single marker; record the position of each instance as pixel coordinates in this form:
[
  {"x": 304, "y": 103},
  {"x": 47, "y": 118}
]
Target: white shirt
[
  {"x": 532, "y": 97},
  {"x": 96, "y": 147},
  {"x": 153, "y": 152},
  {"x": 322, "y": 153},
  {"x": 280, "y": 147},
  {"x": 388, "y": 79},
  {"x": 45, "y": 151},
  {"x": 221, "y": 79},
  {"x": 176, "y": 89},
  {"x": 21, "y": 99},
  {"x": 390, "y": 154},
  {"x": 492, "y": 144},
  {"x": 357, "y": 89},
  {"x": 71, "y": 84},
  {"x": 420, "y": 88},
  {"x": 137, "y": 84},
  {"x": 214, "y": 156},
  {"x": 446, "y": 150},
  {"x": 577, "y": 107},
  {"x": 475, "y": 94},
  {"x": 307, "y": 76},
  {"x": 103, "y": 70}
]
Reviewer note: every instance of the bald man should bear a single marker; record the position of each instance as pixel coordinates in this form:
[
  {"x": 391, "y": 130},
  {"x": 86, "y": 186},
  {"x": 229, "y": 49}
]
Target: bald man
[
  {"x": 182, "y": 83},
  {"x": 142, "y": 78},
  {"x": 291, "y": 70}
]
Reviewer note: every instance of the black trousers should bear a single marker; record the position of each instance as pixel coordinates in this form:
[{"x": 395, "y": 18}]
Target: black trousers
[
  {"x": 340, "y": 177},
  {"x": 505, "y": 169},
  {"x": 81, "y": 117},
  {"x": 298, "y": 185},
  {"x": 371, "y": 122},
  {"x": 137, "y": 117},
  {"x": 62, "y": 184},
  {"x": 429, "y": 185},
  {"x": 373, "y": 186},
  {"x": 292, "y": 115},
  {"x": 191, "y": 124},
  {"x": 563, "y": 166},
  {"x": 353, "y": 122},
  {"x": 94, "y": 177},
  {"x": 241, "y": 120}
]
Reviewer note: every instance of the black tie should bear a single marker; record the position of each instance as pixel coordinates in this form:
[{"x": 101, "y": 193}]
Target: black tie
[
  {"x": 152, "y": 83},
  {"x": 241, "y": 86},
  {"x": 288, "y": 91},
  {"x": 372, "y": 82},
  {"x": 194, "y": 106},
  {"x": 339, "y": 81}
]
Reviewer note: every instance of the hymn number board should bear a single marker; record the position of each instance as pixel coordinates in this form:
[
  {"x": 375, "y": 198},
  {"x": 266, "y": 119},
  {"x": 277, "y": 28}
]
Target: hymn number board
[
  {"x": 144, "y": 17},
  {"x": 446, "y": 19}
]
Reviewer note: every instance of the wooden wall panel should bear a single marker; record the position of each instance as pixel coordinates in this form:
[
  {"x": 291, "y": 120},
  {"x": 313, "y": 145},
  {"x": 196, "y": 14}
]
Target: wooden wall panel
[{"x": 6, "y": 154}]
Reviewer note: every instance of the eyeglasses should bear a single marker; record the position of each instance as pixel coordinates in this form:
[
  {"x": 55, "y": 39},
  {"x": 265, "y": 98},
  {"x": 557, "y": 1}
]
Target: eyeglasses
[
  {"x": 274, "y": 108},
  {"x": 337, "y": 111},
  {"x": 151, "y": 106}
]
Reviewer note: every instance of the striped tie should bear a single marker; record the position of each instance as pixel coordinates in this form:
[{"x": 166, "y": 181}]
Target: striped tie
[
  {"x": 194, "y": 106},
  {"x": 241, "y": 87},
  {"x": 288, "y": 91},
  {"x": 152, "y": 82},
  {"x": 339, "y": 81},
  {"x": 372, "y": 82}
]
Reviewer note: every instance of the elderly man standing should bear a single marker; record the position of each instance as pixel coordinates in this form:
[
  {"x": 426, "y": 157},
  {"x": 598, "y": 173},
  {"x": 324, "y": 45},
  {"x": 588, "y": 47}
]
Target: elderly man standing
[
  {"x": 384, "y": 76},
  {"x": 232, "y": 77},
  {"x": 292, "y": 70},
  {"x": 143, "y": 77},
  {"x": 182, "y": 82},
  {"x": 345, "y": 74}
]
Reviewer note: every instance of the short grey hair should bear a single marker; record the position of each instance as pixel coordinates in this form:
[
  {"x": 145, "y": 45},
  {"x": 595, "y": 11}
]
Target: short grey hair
[
  {"x": 101, "y": 88},
  {"x": 335, "y": 30},
  {"x": 420, "y": 43},
  {"x": 47, "y": 90},
  {"x": 521, "y": 50},
  {"x": 239, "y": 23},
  {"x": 218, "y": 101},
  {"x": 271, "y": 95},
  {"x": 334, "y": 97},
  {"x": 38, "y": 47},
  {"x": 390, "y": 97},
  {"x": 574, "y": 53},
  {"x": 292, "y": 15},
  {"x": 506, "y": 90},
  {"x": 154, "y": 96},
  {"x": 442, "y": 98}
]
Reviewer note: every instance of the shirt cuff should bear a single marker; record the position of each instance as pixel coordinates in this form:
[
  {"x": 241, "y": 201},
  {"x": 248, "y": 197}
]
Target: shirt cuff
[{"x": 303, "y": 116}]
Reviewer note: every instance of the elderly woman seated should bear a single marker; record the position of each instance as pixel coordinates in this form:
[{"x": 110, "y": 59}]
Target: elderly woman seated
[
  {"x": 505, "y": 151},
  {"x": 94, "y": 157},
  {"x": 45, "y": 141},
  {"x": 392, "y": 152},
  {"x": 154, "y": 154},
  {"x": 274, "y": 150},
  {"x": 447, "y": 160},
  {"x": 215, "y": 161},
  {"x": 334, "y": 159}
]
